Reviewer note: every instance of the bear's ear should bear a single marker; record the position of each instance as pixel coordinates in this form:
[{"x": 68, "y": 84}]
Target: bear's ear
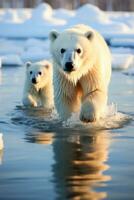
[
  {"x": 53, "y": 35},
  {"x": 89, "y": 35},
  {"x": 28, "y": 64}
]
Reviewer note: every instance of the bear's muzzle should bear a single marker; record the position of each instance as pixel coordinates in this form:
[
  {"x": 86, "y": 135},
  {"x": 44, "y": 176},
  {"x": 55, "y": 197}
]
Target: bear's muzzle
[{"x": 69, "y": 67}]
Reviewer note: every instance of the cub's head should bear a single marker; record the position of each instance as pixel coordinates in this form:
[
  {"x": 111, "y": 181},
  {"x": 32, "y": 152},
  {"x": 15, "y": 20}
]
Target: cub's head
[
  {"x": 71, "y": 51},
  {"x": 38, "y": 73}
]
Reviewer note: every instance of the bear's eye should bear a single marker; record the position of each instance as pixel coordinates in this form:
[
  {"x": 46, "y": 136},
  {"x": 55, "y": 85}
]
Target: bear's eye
[
  {"x": 39, "y": 73},
  {"x": 62, "y": 50},
  {"x": 31, "y": 72},
  {"x": 78, "y": 50}
]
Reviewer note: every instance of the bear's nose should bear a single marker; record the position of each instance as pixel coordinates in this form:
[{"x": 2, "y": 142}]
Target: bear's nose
[
  {"x": 69, "y": 66},
  {"x": 34, "y": 80}
]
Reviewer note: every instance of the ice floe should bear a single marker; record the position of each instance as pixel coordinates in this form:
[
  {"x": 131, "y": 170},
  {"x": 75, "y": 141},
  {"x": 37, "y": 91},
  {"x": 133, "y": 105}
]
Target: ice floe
[{"x": 34, "y": 25}]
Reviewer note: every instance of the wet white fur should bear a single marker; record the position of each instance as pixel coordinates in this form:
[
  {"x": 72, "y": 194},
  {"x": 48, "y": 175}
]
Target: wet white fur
[
  {"x": 40, "y": 94},
  {"x": 73, "y": 91}
]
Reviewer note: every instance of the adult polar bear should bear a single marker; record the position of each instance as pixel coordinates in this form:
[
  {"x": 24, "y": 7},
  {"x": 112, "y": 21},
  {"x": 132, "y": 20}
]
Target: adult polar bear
[{"x": 82, "y": 71}]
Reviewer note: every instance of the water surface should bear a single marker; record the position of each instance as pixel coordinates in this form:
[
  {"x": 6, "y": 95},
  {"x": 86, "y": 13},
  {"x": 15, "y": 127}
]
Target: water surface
[{"x": 45, "y": 158}]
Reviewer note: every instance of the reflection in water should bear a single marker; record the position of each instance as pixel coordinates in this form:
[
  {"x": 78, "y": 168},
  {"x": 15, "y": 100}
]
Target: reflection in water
[
  {"x": 1, "y": 147},
  {"x": 1, "y": 141},
  {"x": 79, "y": 166},
  {"x": 40, "y": 138},
  {"x": 1, "y": 156},
  {"x": 0, "y": 76},
  {"x": 30, "y": 113},
  {"x": 80, "y": 160}
]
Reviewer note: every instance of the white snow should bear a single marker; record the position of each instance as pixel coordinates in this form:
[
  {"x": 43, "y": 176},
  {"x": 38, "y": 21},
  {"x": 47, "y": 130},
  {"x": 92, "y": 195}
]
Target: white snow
[
  {"x": 37, "y": 43},
  {"x": 8, "y": 47},
  {"x": 63, "y": 13},
  {"x": 43, "y": 15},
  {"x": 11, "y": 60},
  {"x": 122, "y": 61},
  {"x": 35, "y": 54},
  {"x": 125, "y": 42},
  {"x": 98, "y": 19},
  {"x": 14, "y": 15},
  {"x": 34, "y": 25},
  {"x": 124, "y": 17},
  {"x": 39, "y": 21},
  {"x": 122, "y": 50},
  {"x": 129, "y": 72}
]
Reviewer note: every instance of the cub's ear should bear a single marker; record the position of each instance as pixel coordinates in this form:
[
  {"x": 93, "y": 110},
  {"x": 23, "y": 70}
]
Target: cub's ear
[
  {"x": 48, "y": 65},
  {"x": 89, "y": 35},
  {"x": 28, "y": 64},
  {"x": 53, "y": 35}
]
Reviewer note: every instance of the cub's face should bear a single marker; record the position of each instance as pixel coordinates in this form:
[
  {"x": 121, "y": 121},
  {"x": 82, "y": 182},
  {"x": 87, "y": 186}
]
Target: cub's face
[
  {"x": 70, "y": 50},
  {"x": 36, "y": 73}
]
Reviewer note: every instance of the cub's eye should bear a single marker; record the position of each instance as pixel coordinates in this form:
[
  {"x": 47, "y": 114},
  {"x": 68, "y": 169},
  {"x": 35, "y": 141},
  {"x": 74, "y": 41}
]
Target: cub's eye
[
  {"x": 62, "y": 50},
  {"x": 31, "y": 72},
  {"x": 78, "y": 50},
  {"x": 39, "y": 73}
]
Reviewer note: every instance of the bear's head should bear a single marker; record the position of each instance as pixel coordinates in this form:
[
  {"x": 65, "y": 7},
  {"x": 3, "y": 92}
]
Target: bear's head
[
  {"x": 72, "y": 52},
  {"x": 38, "y": 73}
]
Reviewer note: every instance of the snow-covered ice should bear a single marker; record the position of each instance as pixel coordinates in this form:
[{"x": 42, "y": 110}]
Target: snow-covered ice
[
  {"x": 122, "y": 61},
  {"x": 39, "y": 21},
  {"x": 11, "y": 59},
  {"x": 9, "y": 47},
  {"x": 34, "y": 25},
  {"x": 35, "y": 54},
  {"x": 63, "y": 13},
  {"x": 129, "y": 72},
  {"x": 37, "y": 43},
  {"x": 125, "y": 42}
]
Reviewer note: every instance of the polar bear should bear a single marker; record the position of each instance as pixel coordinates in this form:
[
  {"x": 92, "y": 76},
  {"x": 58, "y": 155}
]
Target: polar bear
[
  {"x": 82, "y": 70},
  {"x": 38, "y": 88}
]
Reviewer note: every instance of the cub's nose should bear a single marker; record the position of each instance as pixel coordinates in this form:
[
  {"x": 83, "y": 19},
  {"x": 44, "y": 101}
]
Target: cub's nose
[
  {"x": 34, "y": 80},
  {"x": 69, "y": 66}
]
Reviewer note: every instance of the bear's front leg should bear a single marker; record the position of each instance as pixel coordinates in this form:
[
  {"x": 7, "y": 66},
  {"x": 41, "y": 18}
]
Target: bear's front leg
[
  {"x": 66, "y": 97},
  {"x": 63, "y": 108},
  {"x": 28, "y": 101},
  {"x": 93, "y": 106},
  {"x": 46, "y": 96}
]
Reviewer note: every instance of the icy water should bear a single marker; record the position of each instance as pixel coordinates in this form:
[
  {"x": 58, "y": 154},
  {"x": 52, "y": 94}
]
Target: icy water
[{"x": 45, "y": 158}]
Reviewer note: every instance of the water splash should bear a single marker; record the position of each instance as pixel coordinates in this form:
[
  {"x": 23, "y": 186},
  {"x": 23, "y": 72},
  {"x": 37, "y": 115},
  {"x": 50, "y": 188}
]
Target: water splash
[
  {"x": 49, "y": 120},
  {"x": 112, "y": 119}
]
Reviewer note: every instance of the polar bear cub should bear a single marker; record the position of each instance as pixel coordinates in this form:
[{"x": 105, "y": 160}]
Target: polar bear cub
[
  {"x": 82, "y": 71},
  {"x": 38, "y": 88}
]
